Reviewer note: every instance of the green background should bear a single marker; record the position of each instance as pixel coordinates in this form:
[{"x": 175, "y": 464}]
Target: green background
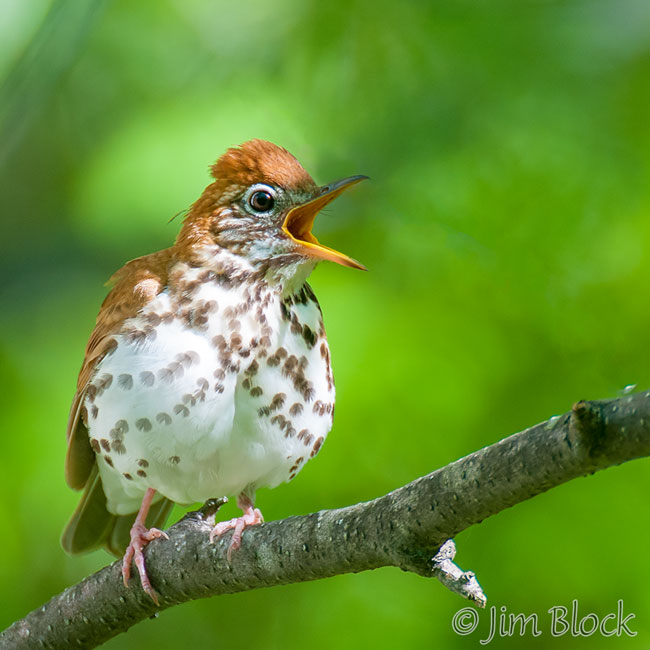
[{"x": 505, "y": 228}]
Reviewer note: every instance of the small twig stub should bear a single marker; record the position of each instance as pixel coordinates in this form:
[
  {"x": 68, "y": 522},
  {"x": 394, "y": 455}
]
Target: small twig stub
[{"x": 454, "y": 578}]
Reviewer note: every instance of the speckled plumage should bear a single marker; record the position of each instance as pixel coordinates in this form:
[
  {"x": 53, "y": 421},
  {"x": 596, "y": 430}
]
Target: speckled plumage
[
  {"x": 208, "y": 371},
  {"x": 218, "y": 398}
]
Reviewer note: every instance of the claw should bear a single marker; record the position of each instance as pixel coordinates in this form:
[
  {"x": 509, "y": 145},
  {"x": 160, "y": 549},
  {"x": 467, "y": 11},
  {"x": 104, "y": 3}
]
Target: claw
[
  {"x": 140, "y": 537},
  {"x": 251, "y": 517}
]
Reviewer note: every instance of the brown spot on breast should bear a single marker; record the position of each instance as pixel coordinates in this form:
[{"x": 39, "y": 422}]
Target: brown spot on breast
[
  {"x": 147, "y": 378},
  {"x": 122, "y": 426},
  {"x": 234, "y": 324},
  {"x": 277, "y": 401},
  {"x": 135, "y": 336},
  {"x": 143, "y": 463},
  {"x": 218, "y": 388},
  {"x": 301, "y": 297},
  {"x": 174, "y": 460},
  {"x": 127, "y": 476},
  {"x": 181, "y": 409},
  {"x": 265, "y": 341},
  {"x": 106, "y": 445},
  {"x": 317, "y": 446},
  {"x": 143, "y": 424},
  {"x": 189, "y": 287},
  {"x": 118, "y": 447},
  {"x": 252, "y": 368},
  {"x": 236, "y": 340},
  {"x": 256, "y": 391},
  {"x": 246, "y": 383},
  {"x": 290, "y": 366},
  {"x": 219, "y": 342},
  {"x": 94, "y": 411},
  {"x": 263, "y": 411},
  {"x": 105, "y": 382},
  {"x": 166, "y": 375},
  {"x": 290, "y": 432},
  {"x": 186, "y": 359},
  {"x": 94, "y": 443},
  {"x": 200, "y": 322},
  {"x": 308, "y": 392},
  {"x": 303, "y": 433},
  {"x": 309, "y": 335},
  {"x": 91, "y": 392},
  {"x": 141, "y": 473},
  {"x": 273, "y": 361},
  {"x": 304, "y": 386},
  {"x": 280, "y": 420},
  {"x": 296, "y": 409},
  {"x": 108, "y": 460},
  {"x": 153, "y": 319},
  {"x": 164, "y": 418}
]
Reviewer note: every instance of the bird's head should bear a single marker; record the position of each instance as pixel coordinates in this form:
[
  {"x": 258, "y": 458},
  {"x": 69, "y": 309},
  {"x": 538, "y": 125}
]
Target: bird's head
[{"x": 262, "y": 207}]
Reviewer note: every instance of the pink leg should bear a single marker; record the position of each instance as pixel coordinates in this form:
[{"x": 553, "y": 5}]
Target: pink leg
[
  {"x": 140, "y": 537},
  {"x": 251, "y": 517}
]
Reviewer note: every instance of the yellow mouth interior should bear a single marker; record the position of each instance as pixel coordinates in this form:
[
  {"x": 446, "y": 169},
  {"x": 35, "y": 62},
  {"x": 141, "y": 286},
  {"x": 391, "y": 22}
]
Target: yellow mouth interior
[{"x": 300, "y": 221}]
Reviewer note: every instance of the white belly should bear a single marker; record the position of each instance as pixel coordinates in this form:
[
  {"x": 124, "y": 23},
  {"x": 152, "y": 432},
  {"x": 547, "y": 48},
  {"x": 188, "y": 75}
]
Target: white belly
[{"x": 222, "y": 395}]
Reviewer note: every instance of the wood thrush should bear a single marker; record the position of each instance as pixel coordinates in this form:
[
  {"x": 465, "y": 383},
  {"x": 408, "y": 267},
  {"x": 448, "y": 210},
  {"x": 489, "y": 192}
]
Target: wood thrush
[{"x": 208, "y": 371}]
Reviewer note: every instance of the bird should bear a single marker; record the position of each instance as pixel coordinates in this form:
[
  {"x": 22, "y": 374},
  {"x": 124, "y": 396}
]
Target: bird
[{"x": 208, "y": 371}]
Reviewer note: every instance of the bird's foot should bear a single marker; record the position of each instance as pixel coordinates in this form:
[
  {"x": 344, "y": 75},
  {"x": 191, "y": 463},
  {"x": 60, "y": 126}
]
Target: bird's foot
[
  {"x": 140, "y": 537},
  {"x": 251, "y": 517}
]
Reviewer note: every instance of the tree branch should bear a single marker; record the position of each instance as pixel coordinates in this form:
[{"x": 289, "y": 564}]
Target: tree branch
[{"x": 404, "y": 528}]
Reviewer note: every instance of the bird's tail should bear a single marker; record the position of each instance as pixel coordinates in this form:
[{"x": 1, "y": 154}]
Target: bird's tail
[{"x": 92, "y": 525}]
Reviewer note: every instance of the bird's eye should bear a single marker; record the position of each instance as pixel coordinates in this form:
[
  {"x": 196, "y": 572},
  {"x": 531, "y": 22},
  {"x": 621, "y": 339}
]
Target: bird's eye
[{"x": 261, "y": 201}]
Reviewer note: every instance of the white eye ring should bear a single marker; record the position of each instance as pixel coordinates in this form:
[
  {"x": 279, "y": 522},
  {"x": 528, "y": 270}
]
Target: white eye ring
[{"x": 260, "y": 199}]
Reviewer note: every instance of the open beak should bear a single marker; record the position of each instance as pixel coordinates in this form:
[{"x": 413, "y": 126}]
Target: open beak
[{"x": 300, "y": 221}]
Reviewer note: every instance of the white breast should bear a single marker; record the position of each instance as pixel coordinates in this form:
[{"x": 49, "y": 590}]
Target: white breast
[{"x": 209, "y": 392}]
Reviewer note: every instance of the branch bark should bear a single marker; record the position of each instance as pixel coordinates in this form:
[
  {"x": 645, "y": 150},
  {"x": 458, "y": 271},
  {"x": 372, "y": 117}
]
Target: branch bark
[{"x": 404, "y": 528}]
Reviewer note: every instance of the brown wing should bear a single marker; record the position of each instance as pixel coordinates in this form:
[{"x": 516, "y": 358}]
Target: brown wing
[
  {"x": 135, "y": 284},
  {"x": 92, "y": 526}
]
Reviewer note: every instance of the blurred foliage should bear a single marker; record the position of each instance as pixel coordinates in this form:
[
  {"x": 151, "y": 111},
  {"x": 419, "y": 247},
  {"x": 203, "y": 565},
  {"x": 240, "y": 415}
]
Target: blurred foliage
[{"x": 506, "y": 230}]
